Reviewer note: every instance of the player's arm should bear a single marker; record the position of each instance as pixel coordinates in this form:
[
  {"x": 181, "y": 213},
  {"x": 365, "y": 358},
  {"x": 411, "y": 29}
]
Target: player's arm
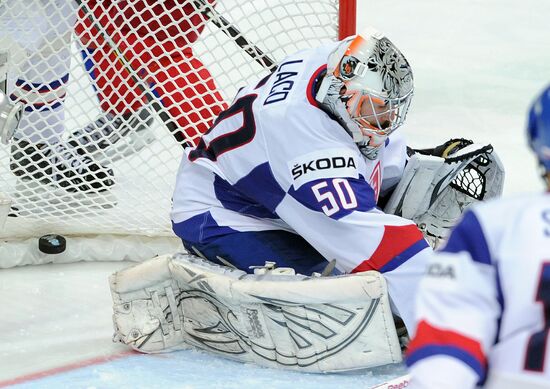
[
  {"x": 457, "y": 312},
  {"x": 334, "y": 209}
]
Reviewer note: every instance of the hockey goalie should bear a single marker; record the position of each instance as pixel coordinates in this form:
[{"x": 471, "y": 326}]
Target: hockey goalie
[{"x": 308, "y": 222}]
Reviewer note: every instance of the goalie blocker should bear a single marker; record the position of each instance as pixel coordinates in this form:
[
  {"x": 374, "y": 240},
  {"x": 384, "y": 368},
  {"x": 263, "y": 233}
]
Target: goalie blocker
[{"x": 311, "y": 324}]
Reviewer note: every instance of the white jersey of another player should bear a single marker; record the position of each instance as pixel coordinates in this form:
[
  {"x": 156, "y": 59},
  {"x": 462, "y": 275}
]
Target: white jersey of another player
[
  {"x": 276, "y": 161},
  {"x": 483, "y": 309}
]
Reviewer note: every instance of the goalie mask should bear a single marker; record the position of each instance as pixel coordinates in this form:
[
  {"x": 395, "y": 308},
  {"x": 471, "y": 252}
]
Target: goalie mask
[{"x": 368, "y": 87}]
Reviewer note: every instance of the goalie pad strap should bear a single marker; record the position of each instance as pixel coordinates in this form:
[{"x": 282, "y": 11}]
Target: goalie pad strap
[{"x": 289, "y": 321}]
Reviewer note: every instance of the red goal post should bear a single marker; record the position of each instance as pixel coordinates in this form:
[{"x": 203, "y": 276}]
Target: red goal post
[
  {"x": 72, "y": 62},
  {"x": 347, "y": 18}
]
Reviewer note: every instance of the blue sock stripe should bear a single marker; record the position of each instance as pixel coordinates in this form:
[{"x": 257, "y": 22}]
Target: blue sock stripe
[
  {"x": 42, "y": 87},
  {"x": 43, "y": 106}
]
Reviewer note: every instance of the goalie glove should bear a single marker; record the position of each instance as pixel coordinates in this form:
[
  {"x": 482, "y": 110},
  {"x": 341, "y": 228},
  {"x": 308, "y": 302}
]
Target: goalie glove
[{"x": 438, "y": 184}]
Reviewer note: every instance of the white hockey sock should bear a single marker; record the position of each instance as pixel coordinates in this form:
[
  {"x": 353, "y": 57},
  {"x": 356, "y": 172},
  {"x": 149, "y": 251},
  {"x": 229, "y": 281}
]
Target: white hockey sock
[
  {"x": 41, "y": 71},
  {"x": 43, "y": 119}
]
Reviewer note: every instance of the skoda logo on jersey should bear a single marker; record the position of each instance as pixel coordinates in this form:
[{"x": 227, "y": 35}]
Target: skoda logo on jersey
[
  {"x": 330, "y": 163},
  {"x": 322, "y": 164}
]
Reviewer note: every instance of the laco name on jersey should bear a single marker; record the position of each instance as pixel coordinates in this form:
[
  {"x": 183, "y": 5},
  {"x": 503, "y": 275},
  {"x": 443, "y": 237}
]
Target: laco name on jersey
[
  {"x": 283, "y": 84},
  {"x": 322, "y": 164}
]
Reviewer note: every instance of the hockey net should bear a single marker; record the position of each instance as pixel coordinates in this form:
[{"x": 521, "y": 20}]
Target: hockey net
[{"x": 161, "y": 68}]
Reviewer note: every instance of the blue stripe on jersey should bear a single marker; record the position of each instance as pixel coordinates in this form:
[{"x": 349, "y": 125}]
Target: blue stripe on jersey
[
  {"x": 500, "y": 300},
  {"x": 363, "y": 192},
  {"x": 263, "y": 193},
  {"x": 200, "y": 228},
  {"x": 468, "y": 236},
  {"x": 404, "y": 256},
  {"x": 452, "y": 351}
]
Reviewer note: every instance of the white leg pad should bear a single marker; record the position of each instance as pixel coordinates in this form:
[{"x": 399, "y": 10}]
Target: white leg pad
[{"x": 313, "y": 324}]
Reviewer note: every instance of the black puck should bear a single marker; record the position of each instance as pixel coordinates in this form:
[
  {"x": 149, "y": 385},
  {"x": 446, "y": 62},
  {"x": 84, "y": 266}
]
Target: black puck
[{"x": 52, "y": 244}]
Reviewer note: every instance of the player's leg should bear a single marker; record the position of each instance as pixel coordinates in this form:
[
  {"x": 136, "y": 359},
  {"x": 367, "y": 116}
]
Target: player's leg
[
  {"x": 181, "y": 81},
  {"x": 158, "y": 52},
  {"x": 246, "y": 250},
  {"x": 187, "y": 90},
  {"x": 38, "y": 151},
  {"x": 123, "y": 126},
  {"x": 184, "y": 86},
  {"x": 395, "y": 247}
]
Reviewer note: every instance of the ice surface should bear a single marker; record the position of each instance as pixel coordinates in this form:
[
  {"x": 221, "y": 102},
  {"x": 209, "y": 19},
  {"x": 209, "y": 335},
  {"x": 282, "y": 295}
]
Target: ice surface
[
  {"x": 56, "y": 331},
  {"x": 477, "y": 64}
]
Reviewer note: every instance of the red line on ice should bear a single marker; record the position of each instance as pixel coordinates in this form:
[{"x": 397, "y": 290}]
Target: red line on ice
[{"x": 65, "y": 368}]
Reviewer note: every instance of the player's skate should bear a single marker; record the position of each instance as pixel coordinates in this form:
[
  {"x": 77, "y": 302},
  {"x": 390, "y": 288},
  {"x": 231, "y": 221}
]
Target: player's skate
[
  {"x": 112, "y": 137},
  {"x": 59, "y": 166}
]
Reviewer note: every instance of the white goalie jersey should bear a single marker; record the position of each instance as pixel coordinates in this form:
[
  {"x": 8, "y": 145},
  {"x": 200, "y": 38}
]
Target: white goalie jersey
[
  {"x": 276, "y": 161},
  {"x": 292, "y": 160},
  {"x": 483, "y": 309}
]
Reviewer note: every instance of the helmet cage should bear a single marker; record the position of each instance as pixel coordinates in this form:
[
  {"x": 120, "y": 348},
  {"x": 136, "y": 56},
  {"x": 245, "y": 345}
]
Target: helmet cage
[{"x": 385, "y": 114}]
